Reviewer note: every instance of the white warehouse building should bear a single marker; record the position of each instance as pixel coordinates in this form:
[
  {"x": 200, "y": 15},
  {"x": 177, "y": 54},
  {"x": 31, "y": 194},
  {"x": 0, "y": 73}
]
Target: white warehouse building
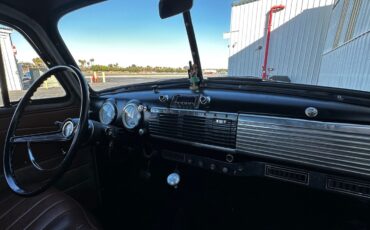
[
  {"x": 10, "y": 63},
  {"x": 318, "y": 42},
  {"x": 346, "y": 56}
]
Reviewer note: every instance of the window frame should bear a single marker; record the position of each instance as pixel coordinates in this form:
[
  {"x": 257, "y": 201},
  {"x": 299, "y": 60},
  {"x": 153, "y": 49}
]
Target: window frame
[{"x": 5, "y": 96}]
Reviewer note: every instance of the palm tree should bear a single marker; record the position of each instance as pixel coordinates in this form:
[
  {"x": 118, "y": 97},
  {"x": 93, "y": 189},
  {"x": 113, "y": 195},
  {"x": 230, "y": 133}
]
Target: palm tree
[{"x": 82, "y": 63}]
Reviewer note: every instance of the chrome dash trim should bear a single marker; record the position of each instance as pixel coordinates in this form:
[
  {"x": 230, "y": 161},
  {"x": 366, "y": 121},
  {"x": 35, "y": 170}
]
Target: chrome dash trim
[
  {"x": 195, "y": 144},
  {"x": 339, "y": 146},
  {"x": 197, "y": 113}
]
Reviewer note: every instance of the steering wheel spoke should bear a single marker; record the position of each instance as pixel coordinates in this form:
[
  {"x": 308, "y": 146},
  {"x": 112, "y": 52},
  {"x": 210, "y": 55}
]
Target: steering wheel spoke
[
  {"x": 41, "y": 138},
  {"x": 34, "y": 161}
]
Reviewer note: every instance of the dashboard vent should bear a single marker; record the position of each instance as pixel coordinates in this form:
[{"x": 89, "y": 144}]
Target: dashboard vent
[
  {"x": 348, "y": 186},
  {"x": 287, "y": 174},
  {"x": 196, "y": 126}
]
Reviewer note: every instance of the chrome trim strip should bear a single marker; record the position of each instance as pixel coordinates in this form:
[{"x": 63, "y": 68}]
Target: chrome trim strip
[
  {"x": 195, "y": 144},
  {"x": 197, "y": 113},
  {"x": 344, "y": 147}
]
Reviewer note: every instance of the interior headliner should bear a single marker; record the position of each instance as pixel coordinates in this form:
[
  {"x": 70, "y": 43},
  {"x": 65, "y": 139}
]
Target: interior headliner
[{"x": 44, "y": 10}]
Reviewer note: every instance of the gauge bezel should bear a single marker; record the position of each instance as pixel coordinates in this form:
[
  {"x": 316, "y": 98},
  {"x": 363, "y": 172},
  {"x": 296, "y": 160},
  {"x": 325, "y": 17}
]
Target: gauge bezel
[
  {"x": 123, "y": 116},
  {"x": 101, "y": 111}
]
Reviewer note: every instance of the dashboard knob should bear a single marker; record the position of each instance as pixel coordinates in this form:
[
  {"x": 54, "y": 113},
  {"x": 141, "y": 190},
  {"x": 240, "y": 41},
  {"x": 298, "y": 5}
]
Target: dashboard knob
[
  {"x": 311, "y": 112},
  {"x": 173, "y": 179},
  {"x": 140, "y": 108},
  {"x": 229, "y": 158},
  {"x": 108, "y": 131},
  {"x": 163, "y": 98},
  {"x": 204, "y": 100},
  {"x": 142, "y": 132}
]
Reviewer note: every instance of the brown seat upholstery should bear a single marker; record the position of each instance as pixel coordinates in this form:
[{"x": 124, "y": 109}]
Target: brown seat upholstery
[{"x": 49, "y": 210}]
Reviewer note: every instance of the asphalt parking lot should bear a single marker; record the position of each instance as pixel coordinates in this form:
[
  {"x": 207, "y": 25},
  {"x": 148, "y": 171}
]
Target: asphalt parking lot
[{"x": 113, "y": 81}]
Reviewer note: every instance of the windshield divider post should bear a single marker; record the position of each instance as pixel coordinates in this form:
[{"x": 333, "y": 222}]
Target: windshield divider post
[{"x": 193, "y": 42}]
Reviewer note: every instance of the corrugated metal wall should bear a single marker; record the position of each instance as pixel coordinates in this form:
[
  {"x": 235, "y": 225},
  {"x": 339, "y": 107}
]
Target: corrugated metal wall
[
  {"x": 347, "y": 64},
  {"x": 297, "y": 38}
]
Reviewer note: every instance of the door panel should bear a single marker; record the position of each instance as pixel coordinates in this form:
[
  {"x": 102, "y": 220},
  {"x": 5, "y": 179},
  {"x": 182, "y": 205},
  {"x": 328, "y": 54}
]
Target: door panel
[
  {"x": 36, "y": 122},
  {"x": 79, "y": 181}
]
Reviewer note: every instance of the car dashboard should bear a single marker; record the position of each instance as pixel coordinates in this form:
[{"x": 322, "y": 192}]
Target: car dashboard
[{"x": 312, "y": 142}]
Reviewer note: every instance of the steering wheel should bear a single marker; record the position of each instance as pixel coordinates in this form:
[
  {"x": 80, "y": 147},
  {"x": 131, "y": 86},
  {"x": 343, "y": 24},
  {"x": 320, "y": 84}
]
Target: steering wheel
[{"x": 70, "y": 132}]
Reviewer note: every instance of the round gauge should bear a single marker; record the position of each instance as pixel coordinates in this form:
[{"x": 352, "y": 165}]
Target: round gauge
[
  {"x": 68, "y": 129},
  {"x": 131, "y": 116},
  {"x": 107, "y": 113}
]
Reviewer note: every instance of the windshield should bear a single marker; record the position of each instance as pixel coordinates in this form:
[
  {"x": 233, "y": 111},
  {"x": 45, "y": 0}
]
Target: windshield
[{"x": 313, "y": 42}]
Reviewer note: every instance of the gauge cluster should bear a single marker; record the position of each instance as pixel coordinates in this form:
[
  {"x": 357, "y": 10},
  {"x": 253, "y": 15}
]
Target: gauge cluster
[
  {"x": 129, "y": 117},
  {"x": 107, "y": 113}
]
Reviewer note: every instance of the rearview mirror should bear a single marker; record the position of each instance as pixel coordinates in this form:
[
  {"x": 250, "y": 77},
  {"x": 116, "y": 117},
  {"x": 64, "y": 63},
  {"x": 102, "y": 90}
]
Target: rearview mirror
[{"x": 169, "y": 8}]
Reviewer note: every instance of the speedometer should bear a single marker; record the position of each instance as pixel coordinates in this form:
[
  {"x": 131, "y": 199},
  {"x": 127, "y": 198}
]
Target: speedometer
[
  {"x": 131, "y": 116},
  {"x": 107, "y": 113}
]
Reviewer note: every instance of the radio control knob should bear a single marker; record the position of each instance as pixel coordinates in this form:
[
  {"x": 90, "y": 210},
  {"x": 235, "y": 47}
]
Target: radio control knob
[
  {"x": 142, "y": 132},
  {"x": 163, "y": 98},
  {"x": 204, "y": 100},
  {"x": 229, "y": 158},
  {"x": 140, "y": 108}
]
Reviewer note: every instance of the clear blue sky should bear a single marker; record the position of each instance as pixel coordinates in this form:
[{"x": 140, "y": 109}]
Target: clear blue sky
[{"x": 130, "y": 32}]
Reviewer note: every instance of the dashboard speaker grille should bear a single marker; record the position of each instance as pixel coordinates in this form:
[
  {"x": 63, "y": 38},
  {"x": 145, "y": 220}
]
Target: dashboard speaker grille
[
  {"x": 197, "y": 126},
  {"x": 287, "y": 174},
  {"x": 348, "y": 186}
]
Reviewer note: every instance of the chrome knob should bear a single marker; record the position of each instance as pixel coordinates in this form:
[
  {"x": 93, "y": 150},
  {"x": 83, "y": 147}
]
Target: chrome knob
[
  {"x": 163, "y": 98},
  {"x": 204, "y": 100},
  {"x": 311, "y": 112},
  {"x": 229, "y": 158},
  {"x": 140, "y": 108},
  {"x": 142, "y": 132},
  {"x": 173, "y": 179}
]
